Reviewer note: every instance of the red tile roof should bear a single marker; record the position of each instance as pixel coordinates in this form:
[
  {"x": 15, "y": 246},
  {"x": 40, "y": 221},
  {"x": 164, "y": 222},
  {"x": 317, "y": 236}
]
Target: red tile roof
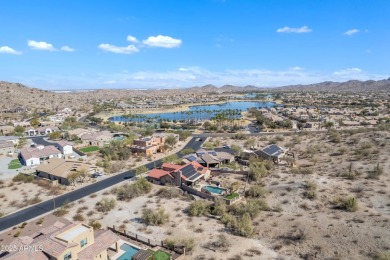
[
  {"x": 171, "y": 166},
  {"x": 157, "y": 173}
]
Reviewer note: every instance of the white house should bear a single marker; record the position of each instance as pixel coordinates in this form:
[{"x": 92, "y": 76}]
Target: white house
[
  {"x": 65, "y": 147},
  {"x": 36, "y": 155}
]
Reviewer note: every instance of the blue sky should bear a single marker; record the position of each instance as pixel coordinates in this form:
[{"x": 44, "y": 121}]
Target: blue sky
[{"x": 181, "y": 43}]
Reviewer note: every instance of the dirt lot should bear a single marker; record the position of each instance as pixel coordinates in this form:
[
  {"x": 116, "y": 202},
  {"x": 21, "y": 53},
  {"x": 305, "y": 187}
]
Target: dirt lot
[{"x": 295, "y": 226}]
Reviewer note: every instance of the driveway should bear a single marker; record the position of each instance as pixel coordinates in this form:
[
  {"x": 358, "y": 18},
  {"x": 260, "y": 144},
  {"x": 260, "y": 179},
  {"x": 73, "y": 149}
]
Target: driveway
[{"x": 5, "y": 173}]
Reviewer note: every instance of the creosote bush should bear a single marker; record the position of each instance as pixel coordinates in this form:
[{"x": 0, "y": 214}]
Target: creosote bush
[
  {"x": 106, "y": 204},
  {"x": 255, "y": 191},
  {"x": 155, "y": 217},
  {"x": 345, "y": 203},
  {"x": 199, "y": 208},
  {"x": 127, "y": 192}
]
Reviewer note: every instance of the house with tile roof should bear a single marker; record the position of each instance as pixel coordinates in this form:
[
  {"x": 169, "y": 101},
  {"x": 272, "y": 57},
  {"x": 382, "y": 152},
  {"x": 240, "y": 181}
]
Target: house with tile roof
[
  {"x": 57, "y": 169},
  {"x": 64, "y": 242},
  {"x": 30, "y": 156},
  {"x": 177, "y": 175}
]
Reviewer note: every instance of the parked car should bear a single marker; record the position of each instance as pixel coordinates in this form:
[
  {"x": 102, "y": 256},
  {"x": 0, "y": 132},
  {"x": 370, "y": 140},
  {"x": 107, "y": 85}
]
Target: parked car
[{"x": 97, "y": 174}]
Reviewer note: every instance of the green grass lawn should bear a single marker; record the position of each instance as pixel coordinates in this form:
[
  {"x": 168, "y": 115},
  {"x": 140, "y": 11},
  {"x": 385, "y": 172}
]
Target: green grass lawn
[
  {"x": 89, "y": 149},
  {"x": 161, "y": 255},
  {"x": 232, "y": 196},
  {"x": 14, "y": 164}
]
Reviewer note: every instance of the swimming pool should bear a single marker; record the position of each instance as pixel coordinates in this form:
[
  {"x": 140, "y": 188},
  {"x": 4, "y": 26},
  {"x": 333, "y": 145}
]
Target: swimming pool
[
  {"x": 130, "y": 251},
  {"x": 214, "y": 189}
]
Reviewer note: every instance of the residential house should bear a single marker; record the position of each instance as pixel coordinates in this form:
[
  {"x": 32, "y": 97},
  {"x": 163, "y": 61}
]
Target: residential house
[
  {"x": 57, "y": 169},
  {"x": 30, "y": 156},
  {"x": 64, "y": 242},
  {"x": 177, "y": 175},
  {"x": 148, "y": 145},
  {"x": 272, "y": 152},
  {"x": 65, "y": 148},
  {"x": 100, "y": 138},
  {"x": 209, "y": 159}
]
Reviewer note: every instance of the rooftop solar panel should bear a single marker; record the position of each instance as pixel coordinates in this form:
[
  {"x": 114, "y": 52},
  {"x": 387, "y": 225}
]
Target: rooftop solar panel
[
  {"x": 272, "y": 149},
  {"x": 194, "y": 177},
  {"x": 188, "y": 171},
  {"x": 191, "y": 158},
  {"x": 199, "y": 169}
]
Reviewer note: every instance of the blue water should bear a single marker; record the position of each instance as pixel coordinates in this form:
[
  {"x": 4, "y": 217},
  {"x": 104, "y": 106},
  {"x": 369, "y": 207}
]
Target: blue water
[
  {"x": 203, "y": 112},
  {"x": 130, "y": 251},
  {"x": 214, "y": 189}
]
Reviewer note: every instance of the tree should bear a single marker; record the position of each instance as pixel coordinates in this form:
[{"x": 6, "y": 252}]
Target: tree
[
  {"x": 73, "y": 177},
  {"x": 257, "y": 170},
  {"x": 82, "y": 174},
  {"x": 187, "y": 151},
  {"x": 56, "y": 135},
  {"x": 170, "y": 140},
  {"x": 245, "y": 226},
  {"x": 22, "y": 142},
  {"x": 35, "y": 122},
  {"x": 170, "y": 159},
  {"x": 19, "y": 130}
]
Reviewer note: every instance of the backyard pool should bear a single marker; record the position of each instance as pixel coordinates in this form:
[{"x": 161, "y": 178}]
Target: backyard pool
[
  {"x": 214, "y": 189},
  {"x": 130, "y": 251}
]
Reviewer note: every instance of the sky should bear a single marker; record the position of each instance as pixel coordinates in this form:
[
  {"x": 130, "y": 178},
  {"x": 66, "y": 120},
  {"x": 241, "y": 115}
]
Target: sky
[{"x": 73, "y": 44}]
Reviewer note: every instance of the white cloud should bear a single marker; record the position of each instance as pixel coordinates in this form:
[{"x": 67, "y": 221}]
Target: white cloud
[
  {"x": 296, "y": 68},
  {"x": 44, "y": 46},
  {"x": 132, "y": 39},
  {"x": 109, "y": 82},
  {"x": 348, "y": 72},
  {"x": 116, "y": 49},
  {"x": 162, "y": 41},
  {"x": 351, "y": 32},
  {"x": 286, "y": 29},
  {"x": 67, "y": 48},
  {"x": 9, "y": 50}
]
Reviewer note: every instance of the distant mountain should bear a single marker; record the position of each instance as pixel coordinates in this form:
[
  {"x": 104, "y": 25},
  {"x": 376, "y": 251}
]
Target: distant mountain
[{"x": 351, "y": 85}]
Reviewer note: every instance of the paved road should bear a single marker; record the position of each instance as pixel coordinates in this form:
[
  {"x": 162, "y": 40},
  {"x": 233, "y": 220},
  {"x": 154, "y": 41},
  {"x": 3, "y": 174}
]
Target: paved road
[{"x": 26, "y": 214}]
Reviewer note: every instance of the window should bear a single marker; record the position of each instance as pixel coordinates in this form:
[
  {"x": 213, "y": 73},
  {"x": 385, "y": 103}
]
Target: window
[
  {"x": 83, "y": 242},
  {"x": 68, "y": 256}
]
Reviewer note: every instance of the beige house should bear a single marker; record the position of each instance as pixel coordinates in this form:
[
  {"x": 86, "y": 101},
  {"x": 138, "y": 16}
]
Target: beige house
[
  {"x": 65, "y": 242},
  {"x": 56, "y": 169},
  {"x": 148, "y": 145},
  {"x": 100, "y": 138}
]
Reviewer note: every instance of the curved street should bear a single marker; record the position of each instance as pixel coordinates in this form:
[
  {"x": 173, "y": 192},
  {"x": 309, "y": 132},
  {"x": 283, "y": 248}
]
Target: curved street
[{"x": 37, "y": 210}]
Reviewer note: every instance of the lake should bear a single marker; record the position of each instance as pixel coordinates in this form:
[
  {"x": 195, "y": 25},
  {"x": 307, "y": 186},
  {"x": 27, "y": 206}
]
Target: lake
[{"x": 202, "y": 112}]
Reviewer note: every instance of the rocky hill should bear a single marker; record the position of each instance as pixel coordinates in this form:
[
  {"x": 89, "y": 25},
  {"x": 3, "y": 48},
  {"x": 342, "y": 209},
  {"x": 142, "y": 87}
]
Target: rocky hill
[{"x": 348, "y": 86}]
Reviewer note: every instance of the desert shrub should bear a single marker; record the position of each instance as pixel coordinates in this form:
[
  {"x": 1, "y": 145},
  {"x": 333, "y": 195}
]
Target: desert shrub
[
  {"x": 199, "y": 208},
  {"x": 187, "y": 151},
  {"x": 94, "y": 224},
  {"x": 345, "y": 203},
  {"x": 17, "y": 234},
  {"x": 187, "y": 243},
  {"x": 257, "y": 170},
  {"x": 168, "y": 193},
  {"x": 252, "y": 207},
  {"x": 141, "y": 169},
  {"x": 218, "y": 208},
  {"x": 129, "y": 191},
  {"x": 155, "y": 217},
  {"x": 382, "y": 256},
  {"x": 21, "y": 177},
  {"x": 40, "y": 221},
  {"x": 78, "y": 217},
  {"x": 334, "y": 136},
  {"x": 222, "y": 242},
  {"x": 375, "y": 173},
  {"x": 241, "y": 226},
  {"x": 255, "y": 191},
  {"x": 106, "y": 204},
  {"x": 310, "y": 192},
  {"x": 60, "y": 211}
]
